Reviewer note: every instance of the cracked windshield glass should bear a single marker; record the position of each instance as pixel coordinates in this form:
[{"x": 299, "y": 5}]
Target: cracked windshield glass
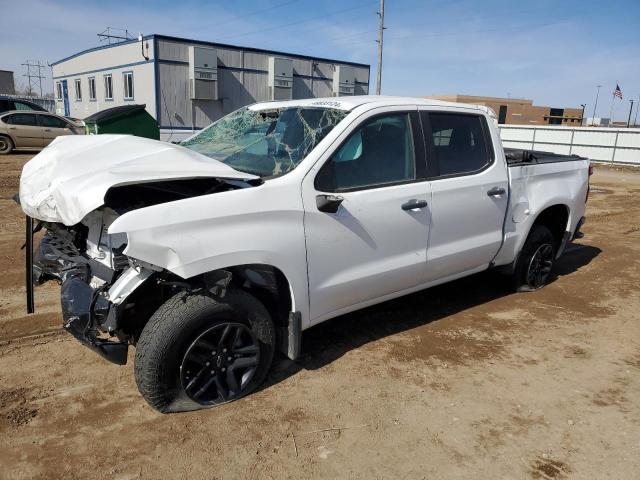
[{"x": 267, "y": 143}]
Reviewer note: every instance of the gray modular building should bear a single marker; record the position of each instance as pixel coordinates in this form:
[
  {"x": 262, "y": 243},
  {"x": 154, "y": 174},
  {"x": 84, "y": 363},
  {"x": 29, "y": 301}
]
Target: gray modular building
[
  {"x": 7, "y": 86},
  {"x": 187, "y": 84}
]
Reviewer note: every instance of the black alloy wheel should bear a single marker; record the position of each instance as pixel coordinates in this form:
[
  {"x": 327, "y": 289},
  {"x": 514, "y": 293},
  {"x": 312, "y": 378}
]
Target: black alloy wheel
[
  {"x": 540, "y": 266},
  {"x": 220, "y": 363}
]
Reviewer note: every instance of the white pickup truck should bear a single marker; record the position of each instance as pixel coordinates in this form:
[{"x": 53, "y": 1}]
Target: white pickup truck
[{"x": 211, "y": 255}]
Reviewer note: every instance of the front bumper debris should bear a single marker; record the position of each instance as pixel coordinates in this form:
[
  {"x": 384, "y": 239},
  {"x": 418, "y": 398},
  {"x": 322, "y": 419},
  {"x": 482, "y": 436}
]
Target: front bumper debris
[
  {"x": 84, "y": 308},
  {"x": 79, "y": 301}
]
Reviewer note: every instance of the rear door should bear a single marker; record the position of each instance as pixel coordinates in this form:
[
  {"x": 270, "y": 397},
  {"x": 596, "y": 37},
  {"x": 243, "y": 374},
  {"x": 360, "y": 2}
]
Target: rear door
[
  {"x": 24, "y": 129},
  {"x": 374, "y": 243},
  {"x": 52, "y": 127},
  {"x": 469, "y": 191}
]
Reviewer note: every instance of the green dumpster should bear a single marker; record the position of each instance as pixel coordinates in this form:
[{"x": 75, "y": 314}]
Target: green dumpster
[{"x": 131, "y": 119}]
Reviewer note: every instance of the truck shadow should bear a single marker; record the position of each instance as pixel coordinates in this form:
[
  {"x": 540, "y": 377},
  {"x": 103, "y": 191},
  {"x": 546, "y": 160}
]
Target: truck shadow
[{"x": 330, "y": 340}]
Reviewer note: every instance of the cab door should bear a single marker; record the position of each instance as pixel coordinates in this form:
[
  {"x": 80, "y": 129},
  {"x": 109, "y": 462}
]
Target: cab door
[
  {"x": 24, "y": 129},
  {"x": 52, "y": 127},
  {"x": 470, "y": 192},
  {"x": 367, "y": 214}
]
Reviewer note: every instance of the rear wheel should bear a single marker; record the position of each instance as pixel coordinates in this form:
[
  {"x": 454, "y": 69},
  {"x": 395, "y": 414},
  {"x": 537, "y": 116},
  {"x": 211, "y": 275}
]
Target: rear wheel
[
  {"x": 198, "y": 351},
  {"x": 535, "y": 262},
  {"x": 6, "y": 145}
]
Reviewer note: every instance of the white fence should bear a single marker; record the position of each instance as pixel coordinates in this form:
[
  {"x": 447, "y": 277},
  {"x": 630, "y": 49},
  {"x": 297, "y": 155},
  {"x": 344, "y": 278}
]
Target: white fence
[{"x": 618, "y": 145}]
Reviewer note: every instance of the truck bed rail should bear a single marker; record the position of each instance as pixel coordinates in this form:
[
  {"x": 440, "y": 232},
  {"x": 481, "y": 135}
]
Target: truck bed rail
[{"x": 518, "y": 156}]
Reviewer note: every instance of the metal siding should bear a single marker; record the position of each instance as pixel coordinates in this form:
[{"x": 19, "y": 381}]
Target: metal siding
[
  {"x": 173, "y": 51},
  {"x": 174, "y": 92},
  {"x": 324, "y": 70},
  {"x": 301, "y": 88},
  {"x": 256, "y": 61},
  {"x": 361, "y": 89},
  {"x": 362, "y": 74},
  {"x": 230, "y": 58},
  {"x": 231, "y": 90},
  {"x": 301, "y": 66},
  {"x": 322, "y": 88},
  {"x": 256, "y": 86}
]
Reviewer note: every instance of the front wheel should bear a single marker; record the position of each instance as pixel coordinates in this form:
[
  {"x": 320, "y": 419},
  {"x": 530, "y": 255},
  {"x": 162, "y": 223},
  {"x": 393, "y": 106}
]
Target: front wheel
[
  {"x": 535, "y": 262},
  {"x": 198, "y": 351}
]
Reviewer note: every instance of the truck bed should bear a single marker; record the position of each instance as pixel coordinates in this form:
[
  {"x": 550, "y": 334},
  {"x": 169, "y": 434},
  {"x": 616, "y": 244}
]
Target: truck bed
[{"x": 518, "y": 156}]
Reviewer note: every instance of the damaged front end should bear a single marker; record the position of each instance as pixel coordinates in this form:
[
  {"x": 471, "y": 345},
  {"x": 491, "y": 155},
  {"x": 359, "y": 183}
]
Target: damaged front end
[{"x": 97, "y": 281}]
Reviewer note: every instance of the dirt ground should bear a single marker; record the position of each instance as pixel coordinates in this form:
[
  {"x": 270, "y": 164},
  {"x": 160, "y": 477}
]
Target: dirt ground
[{"x": 466, "y": 380}]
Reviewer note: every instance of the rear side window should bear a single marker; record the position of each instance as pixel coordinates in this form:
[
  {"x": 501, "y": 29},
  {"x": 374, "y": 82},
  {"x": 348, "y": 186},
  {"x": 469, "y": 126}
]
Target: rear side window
[
  {"x": 52, "y": 122},
  {"x": 23, "y": 106},
  {"x": 28, "y": 119},
  {"x": 5, "y": 105},
  {"x": 379, "y": 152},
  {"x": 459, "y": 143}
]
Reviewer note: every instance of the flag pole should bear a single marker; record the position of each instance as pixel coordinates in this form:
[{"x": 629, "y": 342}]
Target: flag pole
[{"x": 613, "y": 97}]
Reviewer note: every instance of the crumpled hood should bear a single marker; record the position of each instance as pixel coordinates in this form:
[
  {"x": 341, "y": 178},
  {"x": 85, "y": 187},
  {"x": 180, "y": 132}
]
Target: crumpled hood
[{"x": 70, "y": 177}]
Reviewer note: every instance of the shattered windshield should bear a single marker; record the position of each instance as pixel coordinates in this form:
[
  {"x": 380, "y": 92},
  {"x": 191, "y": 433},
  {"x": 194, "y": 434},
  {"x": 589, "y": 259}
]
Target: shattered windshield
[{"x": 268, "y": 143}]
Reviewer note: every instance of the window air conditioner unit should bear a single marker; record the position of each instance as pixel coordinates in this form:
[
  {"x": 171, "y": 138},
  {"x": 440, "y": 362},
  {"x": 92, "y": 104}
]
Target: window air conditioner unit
[
  {"x": 344, "y": 80},
  {"x": 203, "y": 73},
  {"x": 280, "y": 78}
]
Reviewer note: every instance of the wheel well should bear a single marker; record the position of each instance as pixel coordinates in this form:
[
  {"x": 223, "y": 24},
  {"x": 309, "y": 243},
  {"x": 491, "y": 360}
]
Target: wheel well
[
  {"x": 269, "y": 285},
  {"x": 265, "y": 282},
  {"x": 555, "y": 218}
]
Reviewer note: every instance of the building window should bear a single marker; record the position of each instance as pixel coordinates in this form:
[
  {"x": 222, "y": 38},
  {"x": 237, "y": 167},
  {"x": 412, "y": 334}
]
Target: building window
[
  {"x": 78, "y": 90},
  {"x": 59, "y": 90},
  {"x": 108, "y": 87},
  {"x": 92, "y": 88},
  {"x": 127, "y": 78}
]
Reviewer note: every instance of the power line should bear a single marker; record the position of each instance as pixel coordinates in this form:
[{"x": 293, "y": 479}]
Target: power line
[
  {"x": 34, "y": 75},
  {"x": 298, "y": 22}
]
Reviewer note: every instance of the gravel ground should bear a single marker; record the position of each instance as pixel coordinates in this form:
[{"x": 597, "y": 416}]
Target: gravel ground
[{"x": 466, "y": 380}]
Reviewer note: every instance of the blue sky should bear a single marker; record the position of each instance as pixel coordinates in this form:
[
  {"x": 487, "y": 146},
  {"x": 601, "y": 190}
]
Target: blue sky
[{"x": 554, "y": 52}]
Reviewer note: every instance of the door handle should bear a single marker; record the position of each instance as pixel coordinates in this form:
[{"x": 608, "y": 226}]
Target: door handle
[
  {"x": 328, "y": 203},
  {"x": 47, "y": 129},
  {"x": 414, "y": 204},
  {"x": 496, "y": 191}
]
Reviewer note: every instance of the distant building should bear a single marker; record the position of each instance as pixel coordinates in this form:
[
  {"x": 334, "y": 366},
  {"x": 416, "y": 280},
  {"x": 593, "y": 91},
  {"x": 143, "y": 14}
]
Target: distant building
[
  {"x": 7, "y": 87},
  {"x": 598, "y": 122},
  {"x": 188, "y": 84},
  {"x": 520, "y": 111}
]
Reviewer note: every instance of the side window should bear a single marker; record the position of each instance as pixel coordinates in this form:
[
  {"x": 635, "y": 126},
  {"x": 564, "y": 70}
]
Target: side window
[
  {"x": 22, "y": 106},
  {"x": 52, "y": 122},
  {"x": 5, "y": 105},
  {"x": 127, "y": 78},
  {"x": 78, "y": 85},
  {"x": 108, "y": 87},
  {"x": 459, "y": 143},
  {"x": 92, "y": 88},
  {"x": 28, "y": 119},
  {"x": 379, "y": 152}
]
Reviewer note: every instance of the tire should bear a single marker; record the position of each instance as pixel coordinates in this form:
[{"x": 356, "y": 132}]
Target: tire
[
  {"x": 6, "y": 145},
  {"x": 535, "y": 262},
  {"x": 196, "y": 346}
]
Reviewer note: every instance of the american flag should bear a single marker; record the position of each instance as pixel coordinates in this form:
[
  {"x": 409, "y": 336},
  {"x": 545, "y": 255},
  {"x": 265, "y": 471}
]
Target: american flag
[{"x": 617, "y": 92}]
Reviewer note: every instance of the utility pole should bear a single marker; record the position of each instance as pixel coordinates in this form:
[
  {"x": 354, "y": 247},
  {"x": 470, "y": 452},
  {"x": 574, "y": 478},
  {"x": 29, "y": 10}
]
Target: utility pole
[
  {"x": 635, "y": 120},
  {"x": 34, "y": 75},
  {"x": 595, "y": 105},
  {"x": 630, "y": 110},
  {"x": 380, "y": 41}
]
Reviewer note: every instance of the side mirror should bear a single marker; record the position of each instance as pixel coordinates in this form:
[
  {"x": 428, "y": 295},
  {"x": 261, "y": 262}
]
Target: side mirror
[{"x": 328, "y": 203}]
